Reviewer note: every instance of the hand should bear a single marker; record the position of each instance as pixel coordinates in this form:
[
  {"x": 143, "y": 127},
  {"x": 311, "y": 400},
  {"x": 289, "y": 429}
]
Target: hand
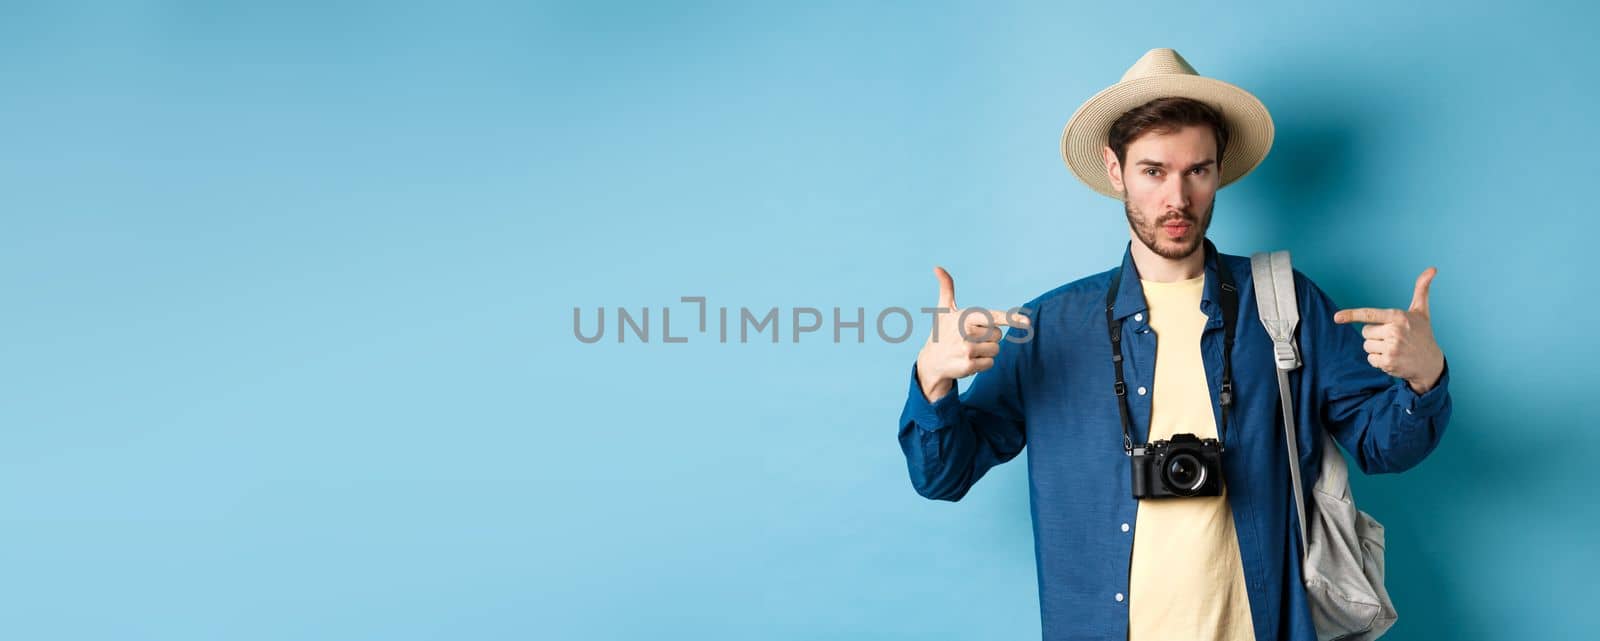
[
  {"x": 963, "y": 342},
  {"x": 1401, "y": 342}
]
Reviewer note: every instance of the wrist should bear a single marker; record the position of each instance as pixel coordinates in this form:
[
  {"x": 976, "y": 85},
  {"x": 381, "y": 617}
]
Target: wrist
[
  {"x": 937, "y": 390},
  {"x": 1423, "y": 384},
  {"x": 1421, "y": 387},
  {"x": 933, "y": 387}
]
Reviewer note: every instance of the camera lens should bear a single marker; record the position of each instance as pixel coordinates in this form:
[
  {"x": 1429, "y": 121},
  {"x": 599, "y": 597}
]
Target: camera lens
[{"x": 1184, "y": 473}]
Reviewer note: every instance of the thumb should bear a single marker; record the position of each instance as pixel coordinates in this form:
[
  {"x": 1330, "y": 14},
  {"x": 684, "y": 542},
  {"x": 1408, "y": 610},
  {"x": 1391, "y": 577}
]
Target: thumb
[
  {"x": 1419, "y": 299},
  {"x": 947, "y": 288}
]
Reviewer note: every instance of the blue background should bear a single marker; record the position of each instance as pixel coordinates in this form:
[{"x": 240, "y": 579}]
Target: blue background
[{"x": 288, "y": 293}]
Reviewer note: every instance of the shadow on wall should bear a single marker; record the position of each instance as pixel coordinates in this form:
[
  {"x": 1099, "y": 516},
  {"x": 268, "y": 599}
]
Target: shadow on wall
[
  {"x": 1310, "y": 183},
  {"x": 1480, "y": 530}
]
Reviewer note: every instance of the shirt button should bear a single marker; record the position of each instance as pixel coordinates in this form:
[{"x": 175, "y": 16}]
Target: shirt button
[
  {"x": 1408, "y": 410},
  {"x": 1119, "y": 597},
  {"x": 1141, "y": 390},
  {"x": 1124, "y": 527},
  {"x": 1138, "y": 317}
]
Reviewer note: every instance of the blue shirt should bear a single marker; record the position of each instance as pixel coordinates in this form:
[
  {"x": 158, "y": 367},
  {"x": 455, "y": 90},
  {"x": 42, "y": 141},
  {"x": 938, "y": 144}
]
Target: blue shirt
[{"x": 1053, "y": 393}]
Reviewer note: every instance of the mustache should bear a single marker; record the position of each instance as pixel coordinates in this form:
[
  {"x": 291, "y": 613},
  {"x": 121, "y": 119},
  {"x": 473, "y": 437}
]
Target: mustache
[{"x": 1176, "y": 217}]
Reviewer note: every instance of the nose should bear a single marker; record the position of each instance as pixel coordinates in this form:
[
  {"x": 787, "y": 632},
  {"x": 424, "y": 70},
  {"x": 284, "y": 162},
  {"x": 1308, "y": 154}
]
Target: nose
[{"x": 1178, "y": 196}]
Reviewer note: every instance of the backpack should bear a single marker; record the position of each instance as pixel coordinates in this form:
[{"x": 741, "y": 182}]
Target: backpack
[{"x": 1342, "y": 560}]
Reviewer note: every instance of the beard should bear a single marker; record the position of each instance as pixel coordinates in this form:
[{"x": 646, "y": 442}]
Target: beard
[{"x": 1150, "y": 231}]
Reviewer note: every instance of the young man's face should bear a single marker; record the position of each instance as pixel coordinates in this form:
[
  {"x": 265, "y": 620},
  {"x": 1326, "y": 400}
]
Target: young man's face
[{"x": 1169, "y": 186}]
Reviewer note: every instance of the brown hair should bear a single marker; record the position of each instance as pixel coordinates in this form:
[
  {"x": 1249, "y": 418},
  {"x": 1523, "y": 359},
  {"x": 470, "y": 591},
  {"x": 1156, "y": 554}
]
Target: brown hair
[{"x": 1165, "y": 116}]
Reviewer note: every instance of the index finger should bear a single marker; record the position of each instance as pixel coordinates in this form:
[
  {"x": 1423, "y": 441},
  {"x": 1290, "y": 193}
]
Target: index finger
[
  {"x": 980, "y": 317},
  {"x": 1004, "y": 318},
  {"x": 1015, "y": 317},
  {"x": 1369, "y": 315}
]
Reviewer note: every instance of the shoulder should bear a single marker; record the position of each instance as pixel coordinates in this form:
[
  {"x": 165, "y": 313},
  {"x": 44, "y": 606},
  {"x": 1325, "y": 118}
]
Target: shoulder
[
  {"x": 1315, "y": 306},
  {"x": 1089, "y": 287},
  {"x": 1089, "y": 291},
  {"x": 1243, "y": 273},
  {"x": 1073, "y": 306}
]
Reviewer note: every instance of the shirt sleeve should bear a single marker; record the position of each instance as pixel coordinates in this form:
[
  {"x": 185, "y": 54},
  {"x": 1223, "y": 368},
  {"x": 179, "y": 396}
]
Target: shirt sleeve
[
  {"x": 951, "y": 443},
  {"x": 1378, "y": 418}
]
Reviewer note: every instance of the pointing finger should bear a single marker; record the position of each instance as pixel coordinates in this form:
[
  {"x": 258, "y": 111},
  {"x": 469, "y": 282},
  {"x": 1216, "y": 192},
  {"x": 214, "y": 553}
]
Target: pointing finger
[
  {"x": 980, "y": 317},
  {"x": 978, "y": 324},
  {"x": 1367, "y": 315},
  {"x": 1020, "y": 317},
  {"x": 1004, "y": 318}
]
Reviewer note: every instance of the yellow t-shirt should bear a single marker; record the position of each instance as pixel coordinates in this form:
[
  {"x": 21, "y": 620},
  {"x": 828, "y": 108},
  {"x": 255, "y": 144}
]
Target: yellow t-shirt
[{"x": 1186, "y": 580}]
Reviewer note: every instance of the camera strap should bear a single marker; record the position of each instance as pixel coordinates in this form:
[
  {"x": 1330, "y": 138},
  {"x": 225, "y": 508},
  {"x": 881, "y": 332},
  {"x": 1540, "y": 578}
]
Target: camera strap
[{"x": 1230, "y": 312}]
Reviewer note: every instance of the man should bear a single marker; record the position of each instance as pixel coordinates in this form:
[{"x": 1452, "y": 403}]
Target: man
[{"x": 1112, "y": 566}]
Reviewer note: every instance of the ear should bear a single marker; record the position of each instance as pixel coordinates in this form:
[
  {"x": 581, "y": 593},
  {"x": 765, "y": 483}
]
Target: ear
[{"x": 1113, "y": 168}]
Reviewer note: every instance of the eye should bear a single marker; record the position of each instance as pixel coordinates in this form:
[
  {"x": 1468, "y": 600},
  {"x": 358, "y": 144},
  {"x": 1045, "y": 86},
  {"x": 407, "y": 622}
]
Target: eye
[
  {"x": 1200, "y": 171},
  {"x": 1152, "y": 171}
]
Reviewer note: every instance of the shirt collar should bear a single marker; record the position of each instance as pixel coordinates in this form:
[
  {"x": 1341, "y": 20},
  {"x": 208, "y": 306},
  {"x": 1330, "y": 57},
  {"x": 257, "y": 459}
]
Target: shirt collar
[{"x": 1130, "y": 292}]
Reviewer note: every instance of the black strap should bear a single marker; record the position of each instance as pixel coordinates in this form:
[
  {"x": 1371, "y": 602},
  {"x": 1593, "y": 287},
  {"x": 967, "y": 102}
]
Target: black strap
[{"x": 1230, "y": 314}]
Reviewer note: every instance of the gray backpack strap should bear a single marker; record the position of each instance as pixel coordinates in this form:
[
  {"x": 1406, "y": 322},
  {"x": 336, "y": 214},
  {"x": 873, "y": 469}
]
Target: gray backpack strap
[{"x": 1274, "y": 279}]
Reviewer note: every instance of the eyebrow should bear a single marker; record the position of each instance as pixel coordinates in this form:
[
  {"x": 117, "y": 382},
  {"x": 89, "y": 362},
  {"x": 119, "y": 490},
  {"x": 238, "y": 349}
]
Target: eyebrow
[{"x": 1162, "y": 165}]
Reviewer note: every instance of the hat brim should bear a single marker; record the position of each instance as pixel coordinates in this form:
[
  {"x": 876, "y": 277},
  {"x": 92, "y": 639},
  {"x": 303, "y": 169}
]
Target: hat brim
[{"x": 1249, "y": 124}]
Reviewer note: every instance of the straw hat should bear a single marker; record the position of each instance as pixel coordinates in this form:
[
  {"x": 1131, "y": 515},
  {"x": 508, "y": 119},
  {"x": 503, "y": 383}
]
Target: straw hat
[{"x": 1163, "y": 73}]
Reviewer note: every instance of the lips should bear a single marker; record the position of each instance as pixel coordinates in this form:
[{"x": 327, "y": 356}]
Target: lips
[{"x": 1176, "y": 230}]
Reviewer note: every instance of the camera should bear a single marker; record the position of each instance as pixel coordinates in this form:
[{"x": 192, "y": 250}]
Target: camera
[{"x": 1183, "y": 466}]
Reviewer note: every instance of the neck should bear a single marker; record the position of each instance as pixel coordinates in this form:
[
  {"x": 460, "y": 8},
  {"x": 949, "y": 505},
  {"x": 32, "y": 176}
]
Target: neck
[{"x": 1155, "y": 267}]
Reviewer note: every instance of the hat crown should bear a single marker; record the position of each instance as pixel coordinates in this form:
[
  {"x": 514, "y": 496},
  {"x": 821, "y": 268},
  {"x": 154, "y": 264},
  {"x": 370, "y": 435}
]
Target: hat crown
[{"x": 1159, "y": 62}]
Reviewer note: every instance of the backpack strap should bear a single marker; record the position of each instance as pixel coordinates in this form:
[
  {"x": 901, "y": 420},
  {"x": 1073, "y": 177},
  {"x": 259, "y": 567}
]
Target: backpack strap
[{"x": 1274, "y": 283}]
